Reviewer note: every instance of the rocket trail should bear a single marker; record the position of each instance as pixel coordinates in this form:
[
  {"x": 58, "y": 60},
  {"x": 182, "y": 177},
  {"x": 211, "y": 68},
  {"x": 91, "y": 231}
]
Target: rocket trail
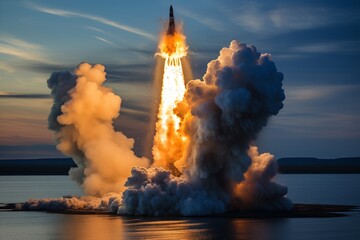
[{"x": 168, "y": 142}]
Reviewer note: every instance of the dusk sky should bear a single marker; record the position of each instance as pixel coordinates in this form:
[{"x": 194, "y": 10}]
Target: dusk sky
[{"x": 316, "y": 44}]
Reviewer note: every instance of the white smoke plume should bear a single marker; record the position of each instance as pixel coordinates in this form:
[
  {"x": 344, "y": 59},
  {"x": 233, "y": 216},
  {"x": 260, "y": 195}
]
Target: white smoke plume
[
  {"x": 82, "y": 117},
  {"x": 221, "y": 115},
  {"x": 71, "y": 202}
]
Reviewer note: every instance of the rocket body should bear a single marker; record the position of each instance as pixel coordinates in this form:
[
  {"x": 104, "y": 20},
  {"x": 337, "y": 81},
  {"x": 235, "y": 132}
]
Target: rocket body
[{"x": 171, "y": 29}]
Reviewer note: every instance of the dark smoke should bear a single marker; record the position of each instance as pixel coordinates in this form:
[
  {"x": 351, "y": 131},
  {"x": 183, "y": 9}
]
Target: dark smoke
[
  {"x": 155, "y": 192},
  {"x": 240, "y": 91},
  {"x": 60, "y": 84},
  {"x": 222, "y": 116}
]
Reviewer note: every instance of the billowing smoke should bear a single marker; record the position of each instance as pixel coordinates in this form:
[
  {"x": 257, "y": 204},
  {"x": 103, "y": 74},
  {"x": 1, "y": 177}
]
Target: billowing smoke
[
  {"x": 70, "y": 202},
  {"x": 82, "y": 117},
  {"x": 60, "y": 84},
  {"x": 240, "y": 91},
  {"x": 222, "y": 116},
  {"x": 257, "y": 191},
  {"x": 155, "y": 192}
]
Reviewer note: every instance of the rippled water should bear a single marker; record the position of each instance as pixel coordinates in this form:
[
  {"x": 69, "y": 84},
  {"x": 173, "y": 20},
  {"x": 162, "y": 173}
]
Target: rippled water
[{"x": 331, "y": 189}]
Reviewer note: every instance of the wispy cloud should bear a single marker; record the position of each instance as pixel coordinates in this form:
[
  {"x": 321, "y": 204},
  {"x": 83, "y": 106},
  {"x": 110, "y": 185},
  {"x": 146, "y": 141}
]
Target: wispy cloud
[
  {"x": 318, "y": 123},
  {"x": 106, "y": 41},
  {"x": 137, "y": 72},
  {"x": 300, "y": 17},
  {"x": 209, "y": 22},
  {"x": 65, "y": 13},
  {"x": 316, "y": 92},
  {"x": 6, "y": 67},
  {"x": 288, "y": 56},
  {"x": 24, "y": 95},
  {"x": 330, "y": 47},
  {"x": 12, "y": 46},
  {"x": 320, "y": 110},
  {"x": 96, "y": 29},
  {"x": 258, "y": 18}
]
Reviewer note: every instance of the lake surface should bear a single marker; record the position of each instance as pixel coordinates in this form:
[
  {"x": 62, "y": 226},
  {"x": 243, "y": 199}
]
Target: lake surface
[{"x": 303, "y": 188}]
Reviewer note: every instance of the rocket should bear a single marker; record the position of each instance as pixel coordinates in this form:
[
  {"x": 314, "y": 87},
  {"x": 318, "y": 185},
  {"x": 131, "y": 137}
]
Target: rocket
[{"x": 171, "y": 29}]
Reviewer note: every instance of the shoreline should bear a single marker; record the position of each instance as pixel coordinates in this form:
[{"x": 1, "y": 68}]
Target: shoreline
[{"x": 299, "y": 211}]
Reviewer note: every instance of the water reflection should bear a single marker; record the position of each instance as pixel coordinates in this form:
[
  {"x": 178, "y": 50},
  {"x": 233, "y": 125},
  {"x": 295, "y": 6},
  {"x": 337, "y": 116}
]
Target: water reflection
[
  {"x": 44, "y": 226},
  {"x": 81, "y": 227},
  {"x": 259, "y": 229}
]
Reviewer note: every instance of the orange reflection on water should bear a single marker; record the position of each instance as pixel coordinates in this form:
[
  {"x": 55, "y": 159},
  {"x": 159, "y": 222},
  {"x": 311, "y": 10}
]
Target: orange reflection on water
[
  {"x": 86, "y": 227},
  {"x": 89, "y": 227}
]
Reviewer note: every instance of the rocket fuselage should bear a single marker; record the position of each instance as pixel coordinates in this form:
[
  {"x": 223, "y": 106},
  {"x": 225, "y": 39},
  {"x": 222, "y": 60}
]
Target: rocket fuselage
[{"x": 171, "y": 29}]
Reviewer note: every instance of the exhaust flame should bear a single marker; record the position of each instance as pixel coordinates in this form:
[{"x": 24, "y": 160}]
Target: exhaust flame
[
  {"x": 173, "y": 46},
  {"x": 168, "y": 142}
]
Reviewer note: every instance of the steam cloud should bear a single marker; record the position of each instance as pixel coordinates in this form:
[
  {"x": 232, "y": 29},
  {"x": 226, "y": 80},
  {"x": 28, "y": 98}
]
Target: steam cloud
[
  {"x": 82, "y": 116},
  {"x": 221, "y": 117}
]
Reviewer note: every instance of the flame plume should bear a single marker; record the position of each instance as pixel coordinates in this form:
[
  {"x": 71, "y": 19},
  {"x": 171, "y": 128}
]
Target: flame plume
[{"x": 168, "y": 141}]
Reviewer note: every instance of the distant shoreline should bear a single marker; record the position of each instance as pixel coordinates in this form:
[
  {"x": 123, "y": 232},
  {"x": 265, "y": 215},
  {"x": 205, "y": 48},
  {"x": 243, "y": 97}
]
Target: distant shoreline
[
  {"x": 61, "y": 166},
  {"x": 299, "y": 211},
  {"x": 316, "y": 165}
]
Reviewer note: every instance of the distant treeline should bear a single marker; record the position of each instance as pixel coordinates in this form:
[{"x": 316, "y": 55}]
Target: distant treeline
[
  {"x": 61, "y": 166},
  {"x": 43, "y": 166}
]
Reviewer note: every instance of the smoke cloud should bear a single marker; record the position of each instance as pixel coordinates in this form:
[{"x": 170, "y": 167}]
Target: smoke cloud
[
  {"x": 239, "y": 92},
  {"x": 71, "y": 202},
  {"x": 221, "y": 116},
  {"x": 82, "y": 117}
]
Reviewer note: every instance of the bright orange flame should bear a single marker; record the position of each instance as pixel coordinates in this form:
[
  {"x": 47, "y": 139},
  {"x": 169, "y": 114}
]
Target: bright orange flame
[
  {"x": 173, "y": 46},
  {"x": 168, "y": 140}
]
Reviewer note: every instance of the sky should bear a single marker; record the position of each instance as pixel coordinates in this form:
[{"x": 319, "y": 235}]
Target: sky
[{"x": 316, "y": 44}]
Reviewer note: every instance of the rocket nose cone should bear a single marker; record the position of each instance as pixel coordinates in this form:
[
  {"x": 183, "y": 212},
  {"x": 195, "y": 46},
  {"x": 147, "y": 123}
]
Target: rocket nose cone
[{"x": 171, "y": 12}]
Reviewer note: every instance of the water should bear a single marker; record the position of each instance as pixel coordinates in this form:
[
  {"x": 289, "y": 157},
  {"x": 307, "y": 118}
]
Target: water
[
  {"x": 322, "y": 188},
  {"x": 303, "y": 188}
]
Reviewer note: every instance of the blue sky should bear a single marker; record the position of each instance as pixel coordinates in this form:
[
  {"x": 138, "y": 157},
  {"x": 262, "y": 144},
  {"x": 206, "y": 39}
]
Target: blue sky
[{"x": 316, "y": 44}]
